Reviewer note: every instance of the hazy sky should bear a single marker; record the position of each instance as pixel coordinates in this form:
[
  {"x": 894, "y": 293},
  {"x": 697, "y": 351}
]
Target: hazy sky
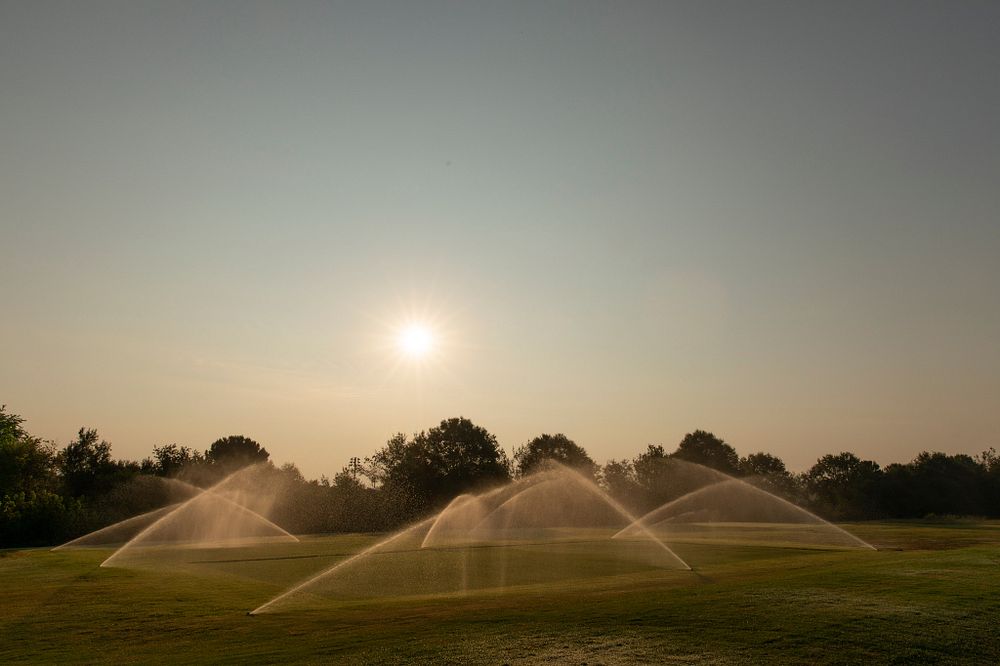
[{"x": 776, "y": 221}]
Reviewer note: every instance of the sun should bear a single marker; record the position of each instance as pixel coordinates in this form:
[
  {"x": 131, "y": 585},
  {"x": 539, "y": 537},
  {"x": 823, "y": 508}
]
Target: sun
[{"x": 415, "y": 341}]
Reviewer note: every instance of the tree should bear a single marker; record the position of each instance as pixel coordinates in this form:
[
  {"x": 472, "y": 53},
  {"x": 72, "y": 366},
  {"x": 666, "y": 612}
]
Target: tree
[
  {"x": 559, "y": 448},
  {"x": 769, "y": 472},
  {"x": 948, "y": 484},
  {"x": 662, "y": 477},
  {"x": 706, "y": 449},
  {"x": 762, "y": 464},
  {"x": 170, "y": 459},
  {"x": 236, "y": 451},
  {"x": 292, "y": 473},
  {"x": 898, "y": 494},
  {"x": 652, "y": 472},
  {"x": 26, "y": 462},
  {"x": 618, "y": 480},
  {"x": 386, "y": 466},
  {"x": 435, "y": 466},
  {"x": 989, "y": 461},
  {"x": 844, "y": 486},
  {"x": 617, "y": 477},
  {"x": 38, "y": 518},
  {"x": 86, "y": 465}
]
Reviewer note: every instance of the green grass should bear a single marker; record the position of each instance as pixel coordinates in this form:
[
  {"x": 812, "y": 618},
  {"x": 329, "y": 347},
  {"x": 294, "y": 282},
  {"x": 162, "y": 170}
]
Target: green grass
[{"x": 930, "y": 596}]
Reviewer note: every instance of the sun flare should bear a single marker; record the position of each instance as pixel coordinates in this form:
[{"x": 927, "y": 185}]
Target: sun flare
[{"x": 415, "y": 341}]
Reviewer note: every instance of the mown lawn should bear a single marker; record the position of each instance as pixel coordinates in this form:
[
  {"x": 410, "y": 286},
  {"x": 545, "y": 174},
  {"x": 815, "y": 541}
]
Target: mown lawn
[{"x": 931, "y": 595}]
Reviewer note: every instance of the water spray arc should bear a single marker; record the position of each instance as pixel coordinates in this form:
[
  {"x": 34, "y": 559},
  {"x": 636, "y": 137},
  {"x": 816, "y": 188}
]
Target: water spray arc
[
  {"x": 125, "y": 529},
  {"x": 140, "y": 522},
  {"x": 581, "y": 482},
  {"x": 462, "y": 507},
  {"x": 553, "y": 525},
  {"x": 736, "y": 500},
  {"x": 329, "y": 571},
  {"x": 232, "y": 522}
]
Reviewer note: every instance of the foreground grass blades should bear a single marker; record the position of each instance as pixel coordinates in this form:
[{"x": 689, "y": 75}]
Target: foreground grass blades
[{"x": 929, "y": 596}]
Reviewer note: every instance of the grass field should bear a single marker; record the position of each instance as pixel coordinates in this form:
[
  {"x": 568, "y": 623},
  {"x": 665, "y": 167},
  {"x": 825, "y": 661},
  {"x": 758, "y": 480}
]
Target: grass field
[{"x": 930, "y": 594}]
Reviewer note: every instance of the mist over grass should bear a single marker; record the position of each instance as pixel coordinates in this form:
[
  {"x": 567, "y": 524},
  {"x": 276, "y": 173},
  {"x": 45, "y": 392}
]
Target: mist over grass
[{"x": 926, "y": 596}]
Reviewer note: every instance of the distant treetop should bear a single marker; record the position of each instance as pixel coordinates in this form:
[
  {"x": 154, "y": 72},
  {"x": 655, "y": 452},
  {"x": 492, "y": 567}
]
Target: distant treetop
[
  {"x": 236, "y": 451},
  {"x": 559, "y": 448},
  {"x": 704, "y": 448}
]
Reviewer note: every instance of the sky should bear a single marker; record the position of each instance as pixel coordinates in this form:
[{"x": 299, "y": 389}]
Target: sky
[{"x": 777, "y": 221}]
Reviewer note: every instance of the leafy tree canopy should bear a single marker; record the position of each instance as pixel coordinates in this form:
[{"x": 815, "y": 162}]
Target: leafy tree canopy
[
  {"x": 949, "y": 484},
  {"x": 559, "y": 448},
  {"x": 170, "y": 459},
  {"x": 649, "y": 466},
  {"x": 706, "y": 449},
  {"x": 445, "y": 461},
  {"x": 769, "y": 472},
  {"x": 841, "y": 469},
  {"x": 763, "y": 464},
  {"x": 25, "y": 461},
  {"x": 236, "y": 451},
  {"x": 86, "y": 465},
  {"x": 844, "y": 485}
]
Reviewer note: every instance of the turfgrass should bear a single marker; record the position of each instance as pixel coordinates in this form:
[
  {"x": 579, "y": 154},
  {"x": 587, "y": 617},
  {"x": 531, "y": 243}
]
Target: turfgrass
[{"x": 929, "y": 596}]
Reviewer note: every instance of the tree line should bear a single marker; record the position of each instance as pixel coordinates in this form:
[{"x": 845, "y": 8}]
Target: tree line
[{"x": 49, "y": 495}]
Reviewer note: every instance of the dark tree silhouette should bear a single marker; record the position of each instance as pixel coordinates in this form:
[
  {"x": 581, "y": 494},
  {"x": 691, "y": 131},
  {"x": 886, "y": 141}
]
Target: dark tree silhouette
[
  {"x": 769, "y": 472},
  {"x": 844, "y": 486},
  {"x": 989, "y": 460},
  {"x": 236, "y": 451},
  {"x": 436, "y": 465},
  {"x": 618, "y": 479},
  {"x": 85, "y": 464},
  {"x": 706, "y": 449},
  {"x": 25, "y": 461},
  {"x": 658, "y": 477},
  {"x": 559, "y": 448},
  {"x": 936, "y": 484},
  {"x": 647, "y": 464},
  {"x": 655, "y": 477},
  {"x": 170, "y": 459},
  {"x": 950, "y": 483},
  {"x": 762, "y": 464}
]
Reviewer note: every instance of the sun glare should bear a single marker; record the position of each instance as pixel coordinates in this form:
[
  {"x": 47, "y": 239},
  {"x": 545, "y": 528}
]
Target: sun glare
[{"x": 415, "y": 341}]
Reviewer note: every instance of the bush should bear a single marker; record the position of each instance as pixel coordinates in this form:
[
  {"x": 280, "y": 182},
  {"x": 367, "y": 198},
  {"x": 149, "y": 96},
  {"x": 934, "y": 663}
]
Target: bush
[{"x": 38, "y": 518}]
